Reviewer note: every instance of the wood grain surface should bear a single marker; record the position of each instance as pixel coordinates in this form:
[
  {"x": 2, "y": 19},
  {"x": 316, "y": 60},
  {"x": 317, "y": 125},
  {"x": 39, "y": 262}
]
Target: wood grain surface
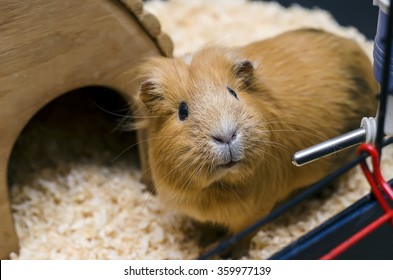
[{"x": 49, "y": 48}]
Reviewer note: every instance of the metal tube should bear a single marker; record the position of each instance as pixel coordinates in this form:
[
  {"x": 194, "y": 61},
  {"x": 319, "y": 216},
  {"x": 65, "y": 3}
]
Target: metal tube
[{"x": 329, "y": 147}]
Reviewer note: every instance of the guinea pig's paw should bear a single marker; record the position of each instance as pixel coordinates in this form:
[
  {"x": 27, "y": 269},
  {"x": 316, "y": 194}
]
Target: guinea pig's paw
[
  {"x": 204, "y": 250},
  {"x": 234, "y": 252},
  {"x": 210, "y": 235},
  {"x": 238, "y": 250}
]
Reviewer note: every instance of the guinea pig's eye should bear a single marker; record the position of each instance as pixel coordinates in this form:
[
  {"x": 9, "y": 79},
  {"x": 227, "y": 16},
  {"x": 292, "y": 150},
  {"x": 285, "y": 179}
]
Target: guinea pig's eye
[
  {"x": 183, "y": 111},
  {"x": 232, "y": 92}
]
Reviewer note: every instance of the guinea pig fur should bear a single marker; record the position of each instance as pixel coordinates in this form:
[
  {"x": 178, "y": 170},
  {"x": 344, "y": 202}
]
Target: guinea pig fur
[{"x": 224, "y": 123}]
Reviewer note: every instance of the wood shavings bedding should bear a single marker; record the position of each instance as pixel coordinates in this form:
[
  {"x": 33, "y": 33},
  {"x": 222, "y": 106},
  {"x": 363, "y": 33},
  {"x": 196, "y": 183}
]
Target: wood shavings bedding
[{"x": 71, "y": 201}]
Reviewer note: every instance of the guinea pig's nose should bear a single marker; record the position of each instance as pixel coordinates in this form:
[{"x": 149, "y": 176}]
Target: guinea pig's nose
[{"x": 225, "y": 138}]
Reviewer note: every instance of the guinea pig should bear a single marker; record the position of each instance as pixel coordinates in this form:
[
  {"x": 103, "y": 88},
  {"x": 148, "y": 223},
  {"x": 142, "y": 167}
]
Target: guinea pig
[{"x": 223, "y": 123}]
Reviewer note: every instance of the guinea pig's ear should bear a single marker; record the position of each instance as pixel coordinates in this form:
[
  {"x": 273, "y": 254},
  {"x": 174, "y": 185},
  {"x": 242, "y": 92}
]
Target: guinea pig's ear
[
  {"x": 244, "y": 70},
  {"x": 149, "y": 94}
]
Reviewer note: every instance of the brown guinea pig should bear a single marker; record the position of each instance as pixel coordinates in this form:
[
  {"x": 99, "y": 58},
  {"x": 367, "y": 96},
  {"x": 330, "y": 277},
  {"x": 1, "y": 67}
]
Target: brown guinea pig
[{"x": 224, "y": 123}]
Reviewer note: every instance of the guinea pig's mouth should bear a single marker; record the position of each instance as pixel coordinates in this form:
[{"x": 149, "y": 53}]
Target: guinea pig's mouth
[{"x": 229, "y": 164}]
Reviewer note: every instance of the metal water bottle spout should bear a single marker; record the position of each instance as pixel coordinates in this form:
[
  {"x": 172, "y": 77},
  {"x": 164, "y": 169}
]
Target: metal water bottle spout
[{"x": 365, "y": 134}]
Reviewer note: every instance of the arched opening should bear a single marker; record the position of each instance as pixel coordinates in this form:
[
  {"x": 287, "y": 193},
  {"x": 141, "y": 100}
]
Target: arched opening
[
  {"x": 87, "y": 125},
  {"x": 72, "y": 172}
]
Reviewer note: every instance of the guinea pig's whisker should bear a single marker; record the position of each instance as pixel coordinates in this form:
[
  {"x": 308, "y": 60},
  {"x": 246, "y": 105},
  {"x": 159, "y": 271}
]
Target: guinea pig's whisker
[
  {"x": 250, "y": 86},
  {"x": 174, "y": 231},
  {"x": 271, "y": 155},
  {"x": 320, "y": 136},
  {"x": 224, "y": 186},
  {"x": 145, "y": 117},
  {"x": 144, "y": 172},
  {"x": 278, "y": 146},
  {"x": 188, "y": 167},
  {"x": 316, "y": 132},
  {"x": 275, "y": 144},
  {"x": 113, "y": 113},
  {"x": 184, "y": 166},
  {"x": 147, "y": 200},
  {"x": 235, "y": 195},
  {"x": 195, "y": 172},
  {"x": 180, "y": 165},
  {"x": 126, "y": 121},
  {"x": 135, "y": 144}
]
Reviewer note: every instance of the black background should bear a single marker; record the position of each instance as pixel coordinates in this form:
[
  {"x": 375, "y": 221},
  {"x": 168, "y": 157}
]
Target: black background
[{"x": 358, "y": 13}]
